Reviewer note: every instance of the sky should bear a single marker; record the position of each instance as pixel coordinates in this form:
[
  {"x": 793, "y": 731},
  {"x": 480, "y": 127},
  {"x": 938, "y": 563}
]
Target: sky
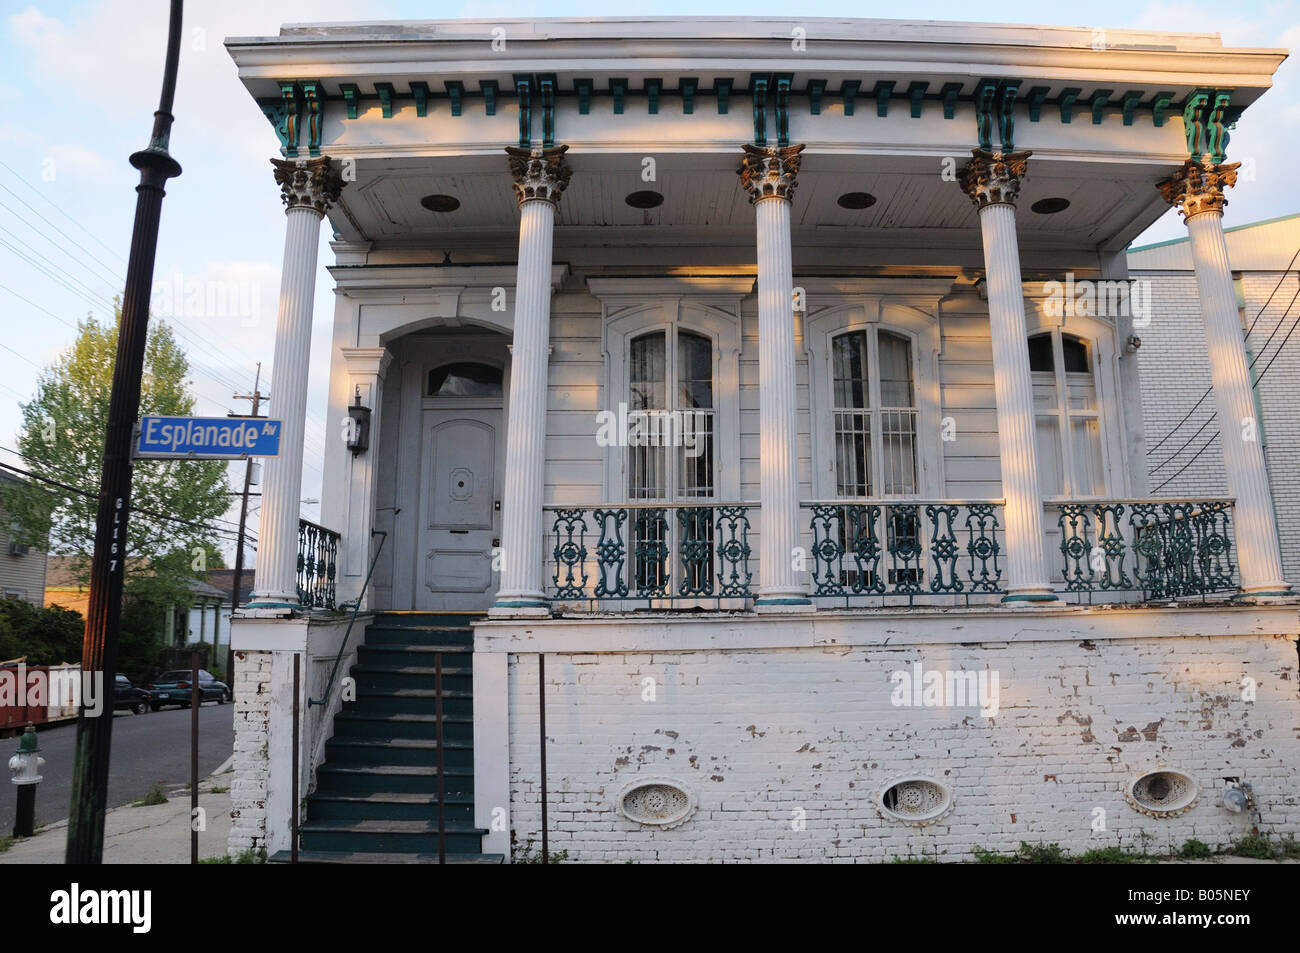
[{"x": 78, "y": 97}]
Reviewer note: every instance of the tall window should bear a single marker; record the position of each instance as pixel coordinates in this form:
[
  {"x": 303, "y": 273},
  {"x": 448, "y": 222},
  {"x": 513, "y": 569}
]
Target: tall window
[
  {"x": 670, "y": 385},
  {"x": 1066, "y": 418},
  {"x": 875, "y": 414}
]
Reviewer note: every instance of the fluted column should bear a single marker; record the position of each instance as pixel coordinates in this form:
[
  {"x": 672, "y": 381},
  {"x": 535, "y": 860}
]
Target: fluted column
[
  {"x": 540, "y": 175},
  {"x": 1197, "y": 191},
  {"x": 992, "y": 180},
  {"x": 308, "y": 187},
  {"x": 769, "y": 176}
]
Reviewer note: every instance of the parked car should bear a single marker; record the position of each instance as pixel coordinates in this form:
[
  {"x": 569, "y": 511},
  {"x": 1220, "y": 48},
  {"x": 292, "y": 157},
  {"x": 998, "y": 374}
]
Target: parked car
[
  {"x": 127, "y": 696},
  {"x": 174, "y": 688}
]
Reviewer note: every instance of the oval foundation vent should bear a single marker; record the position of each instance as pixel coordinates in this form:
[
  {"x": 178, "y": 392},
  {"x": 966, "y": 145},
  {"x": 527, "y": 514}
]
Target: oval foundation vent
[
  {"x": 1161, "y": 793},
  {"x": 915, "y": 801},
  {"x": 656, "y": 802}
]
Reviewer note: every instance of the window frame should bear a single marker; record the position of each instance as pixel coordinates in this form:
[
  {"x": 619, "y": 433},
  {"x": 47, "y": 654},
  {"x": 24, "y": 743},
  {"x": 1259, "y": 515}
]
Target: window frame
[{"x": 1065, "y": 415}]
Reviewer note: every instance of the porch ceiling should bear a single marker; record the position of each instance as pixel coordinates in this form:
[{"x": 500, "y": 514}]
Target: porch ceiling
[{"x": 703, "y": 202}]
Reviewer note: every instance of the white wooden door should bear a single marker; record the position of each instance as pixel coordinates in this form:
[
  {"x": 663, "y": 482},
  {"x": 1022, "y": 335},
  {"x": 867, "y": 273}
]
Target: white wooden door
[{"x": 459, "y": 509}]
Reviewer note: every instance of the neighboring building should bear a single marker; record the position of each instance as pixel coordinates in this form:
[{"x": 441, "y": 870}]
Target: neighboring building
[
  {"x": 884, "y": 582},
  {"x": 64, "y": 588},
  {"x": 22, "y": 567},
  {"x": 1183, "y": 447}
]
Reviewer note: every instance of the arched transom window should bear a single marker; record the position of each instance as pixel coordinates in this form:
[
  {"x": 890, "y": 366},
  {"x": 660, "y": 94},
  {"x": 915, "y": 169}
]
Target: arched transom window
[
  {"x": 670, "y": 390},
  {"x": 875, "y": 414},
  {"x": 1065, "y": 415}
]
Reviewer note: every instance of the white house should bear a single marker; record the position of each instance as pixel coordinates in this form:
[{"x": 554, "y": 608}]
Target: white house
[{"x": 755, "y": 401}]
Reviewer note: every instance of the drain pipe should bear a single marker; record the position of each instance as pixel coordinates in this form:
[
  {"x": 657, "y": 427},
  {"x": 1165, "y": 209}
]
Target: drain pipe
[{"x": 541, "y": 719}]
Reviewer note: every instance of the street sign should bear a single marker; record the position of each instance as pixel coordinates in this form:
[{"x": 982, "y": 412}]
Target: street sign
[{"x": 206, "y": 438}]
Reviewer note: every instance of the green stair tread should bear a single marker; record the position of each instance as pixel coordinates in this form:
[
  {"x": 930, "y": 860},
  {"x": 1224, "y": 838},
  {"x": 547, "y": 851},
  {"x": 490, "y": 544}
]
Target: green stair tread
[
  {"x": 425, "y": 670},
  {"x": 365, "y": 857},
  {"x": 423, "y": 648},
  {"x": 400, "y": 716},
  {"x": 392, "y": 797},
  {"x": 429, "y": 744},
  {"x": 352, "y": 826},
  {"x": 413, "y": 770},
  {"x": 413, "y": 693}
]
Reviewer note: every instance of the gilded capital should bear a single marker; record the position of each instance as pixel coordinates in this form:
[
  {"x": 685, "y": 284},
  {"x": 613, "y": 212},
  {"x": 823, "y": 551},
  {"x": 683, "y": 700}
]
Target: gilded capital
[
  {"x": 540, "y": 174},
  {"x": 1199, "y": 186},
  {"x": 993, "y": 178},
  {"x": 308, "y": 183},
  {"x": 769, "y": 172}
]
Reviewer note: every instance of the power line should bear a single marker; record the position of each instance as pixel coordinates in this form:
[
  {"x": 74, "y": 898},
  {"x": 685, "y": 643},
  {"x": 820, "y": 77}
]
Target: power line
[{"x": 52, "y": 205}]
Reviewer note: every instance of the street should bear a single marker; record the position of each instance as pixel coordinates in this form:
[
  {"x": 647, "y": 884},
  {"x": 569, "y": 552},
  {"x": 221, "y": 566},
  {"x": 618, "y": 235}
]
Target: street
[{"x": 147, "y": 749}]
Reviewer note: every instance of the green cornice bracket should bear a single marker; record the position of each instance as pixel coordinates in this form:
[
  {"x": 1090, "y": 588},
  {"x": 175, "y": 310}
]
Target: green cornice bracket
[
  {"x": 848, "y": 92},
  {"x": 291, "y": 97},
  {"x": 1216, "y": 132},
  {"x": 916, "y": 94},
  {"x": 1160, "y": 107},
  {"x": 351, "y": 97},
  {"x": 1100, "y": 100},
  {"x": 1008, "y": 90},
  {"x": 385, "y": 91},
  {"x": 546, "y": 84},
  {"x": 949, "y": 94},
  {"x": 758, "y": 86},
  {"x": 456, "y": 95},
  {"x": 489, "y": 89},
  {"x": 687, "y": 87},
  {"x": 420, "y": 93},
  {"x": 313, "y": 94},
  {"x": 1037, "y": 96},
  {"x": 523, "y": 91},
  {"x": 653, "y": 87},
  {"x": 722, "y": 89},
  {"x": 583, "y": 88},
  {"x": 883, "y": 91},
  {"x": 816, "y": 87},
  {"x": 1068, "y": 96},
  {"x": 985, "y": 103},
  {"x": 1195, "y": 109},
  {"x": 1129, "y": 103},
  {"x": 618, "y": 89},
  {"x": 278, "y": 114},
  {"x": 783, "y": 82}
]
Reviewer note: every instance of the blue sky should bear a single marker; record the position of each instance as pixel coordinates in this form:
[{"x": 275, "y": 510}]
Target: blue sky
[{"x": 82, "y": 84}]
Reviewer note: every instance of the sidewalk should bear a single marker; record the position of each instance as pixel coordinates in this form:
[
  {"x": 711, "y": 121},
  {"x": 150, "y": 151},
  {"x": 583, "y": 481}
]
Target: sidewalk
[{"x": 157, "y": 834}]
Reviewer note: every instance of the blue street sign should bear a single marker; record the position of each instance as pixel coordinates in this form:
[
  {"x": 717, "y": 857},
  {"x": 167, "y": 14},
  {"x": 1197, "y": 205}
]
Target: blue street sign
[{"x": 207, "y": 438}]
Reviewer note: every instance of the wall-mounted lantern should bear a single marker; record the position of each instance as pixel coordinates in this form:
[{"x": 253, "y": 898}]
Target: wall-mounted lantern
[{"x": 359, "y": 438}]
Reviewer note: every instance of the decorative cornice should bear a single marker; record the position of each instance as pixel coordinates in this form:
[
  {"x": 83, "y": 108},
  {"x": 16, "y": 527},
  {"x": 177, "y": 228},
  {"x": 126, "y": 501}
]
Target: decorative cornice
[
  {"x": 1199, "y": 186},
  {"x": 308, "y": 183},
  {"x": 993, "y": 178},
  {"x": 769, "y": 172},
  {"x": 540, "y": 174}
]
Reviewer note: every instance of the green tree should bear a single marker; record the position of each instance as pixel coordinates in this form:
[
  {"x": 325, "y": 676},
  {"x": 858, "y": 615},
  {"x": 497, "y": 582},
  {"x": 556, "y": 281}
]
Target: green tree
[{"x": 173, "y": 502}]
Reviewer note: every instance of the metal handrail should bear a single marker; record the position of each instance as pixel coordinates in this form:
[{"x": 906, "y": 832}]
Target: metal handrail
[{"x": 356, "y": 609}]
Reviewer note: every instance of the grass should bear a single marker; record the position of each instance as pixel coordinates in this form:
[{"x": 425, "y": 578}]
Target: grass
[
  {"x": 155, "y": 796},
  {"x": 217, "y": 790},
  {"x": 983, "y": 856},
  {"x": 248, "y": 856},
  {"x": 5, "y": 843},
  {"x": 1254, "y": 846},
  {"x": 1195, "y": 850},
  {"x": 527, "y": 855}
]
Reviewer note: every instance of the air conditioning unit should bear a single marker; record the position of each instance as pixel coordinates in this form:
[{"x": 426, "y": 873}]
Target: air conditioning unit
[{"x": 18, "y": 549}]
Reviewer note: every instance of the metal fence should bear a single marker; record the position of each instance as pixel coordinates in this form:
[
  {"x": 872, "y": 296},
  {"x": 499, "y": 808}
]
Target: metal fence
[{"x": 318, "y": 556}]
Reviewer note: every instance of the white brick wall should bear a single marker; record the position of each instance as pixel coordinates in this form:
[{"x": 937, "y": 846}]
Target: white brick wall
[
  {"x": 759, "y": 733},
  {"x": 252, "y": 688}
]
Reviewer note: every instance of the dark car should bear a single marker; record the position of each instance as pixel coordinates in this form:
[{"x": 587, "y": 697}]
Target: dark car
[
  {"x": 175, "y": 688},
  {"x": 127, "y": 696}
]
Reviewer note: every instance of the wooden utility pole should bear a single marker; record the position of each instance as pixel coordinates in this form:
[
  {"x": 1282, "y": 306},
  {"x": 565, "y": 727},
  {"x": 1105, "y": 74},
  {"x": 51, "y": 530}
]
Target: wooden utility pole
[{"x": 256, "y": 397}]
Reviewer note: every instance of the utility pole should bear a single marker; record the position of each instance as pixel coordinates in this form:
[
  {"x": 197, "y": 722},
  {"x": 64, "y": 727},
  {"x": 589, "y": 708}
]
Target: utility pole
[
  {"x": 256, "y": 397},
  {"x": 103, "y": 614}
]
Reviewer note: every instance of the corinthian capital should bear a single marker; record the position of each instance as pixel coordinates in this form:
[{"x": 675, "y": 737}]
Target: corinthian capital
[
  {"x": 540, "y": 174},
  {"x": 769, "y": 172},
  {"x": 1199, "y": 186},
  {"x": 993, "y": 178},
  {"x": 308, "y": 183}
]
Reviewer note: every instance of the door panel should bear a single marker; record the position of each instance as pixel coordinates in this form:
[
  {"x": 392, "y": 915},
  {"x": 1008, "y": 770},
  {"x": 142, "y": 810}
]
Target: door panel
[{"x": 458, "y": 509}]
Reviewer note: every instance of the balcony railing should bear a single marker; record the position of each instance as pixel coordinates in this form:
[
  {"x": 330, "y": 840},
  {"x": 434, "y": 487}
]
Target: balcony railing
[
  {"x": 318, "y": 556},
  {"x": 1145, "y": 549},
  {"x": 867, "y": 552},
  {"x": 870, "y": 553},
  {"x": 656, "y": 555}
]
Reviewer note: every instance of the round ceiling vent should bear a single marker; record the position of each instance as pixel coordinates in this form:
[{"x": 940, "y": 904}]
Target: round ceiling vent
[
  {"x": 915, "y": 801},
  {"x": 856, "y": 200},
  {"x": 1050, "y": 206},
  {"x": 440, "y": 203},
  {"x": 657, "y": 802},
  {"x": 1161, "y": 793},
  {"x": 646, "y": 199}
]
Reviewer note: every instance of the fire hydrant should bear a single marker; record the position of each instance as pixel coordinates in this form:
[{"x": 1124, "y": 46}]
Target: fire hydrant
[{"x": 26, "y": 767}]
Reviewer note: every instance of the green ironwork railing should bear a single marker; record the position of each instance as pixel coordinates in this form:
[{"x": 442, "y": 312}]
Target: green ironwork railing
[
  {"x": 652, "y": 554},
  {"x": 870, "y": 551},
  {"x": 318, "y": 557},
  {"x": 1149, "y": 548}
]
